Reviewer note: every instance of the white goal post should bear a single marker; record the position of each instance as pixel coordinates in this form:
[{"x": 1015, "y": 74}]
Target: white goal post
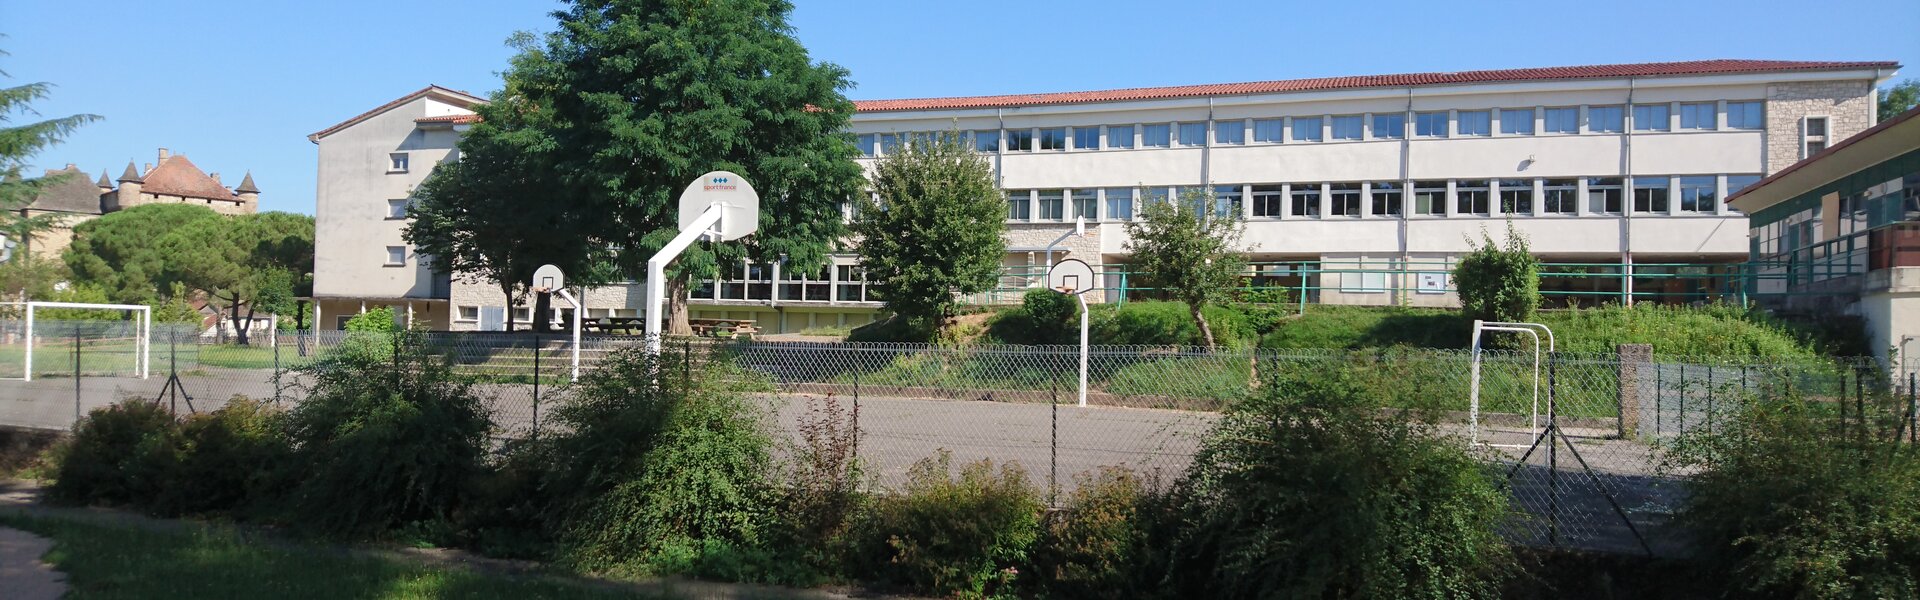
[{"x": 143, "y": 339}]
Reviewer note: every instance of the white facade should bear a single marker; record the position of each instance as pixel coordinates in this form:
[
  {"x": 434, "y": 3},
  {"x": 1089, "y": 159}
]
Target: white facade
[{"x": 1390, "y": 180}]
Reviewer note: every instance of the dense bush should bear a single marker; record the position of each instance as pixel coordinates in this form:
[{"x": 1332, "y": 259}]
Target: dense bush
[
  {"x": 656, "y": 473},
  {"x": 1794, "y": 501},
  {"x": 229, "y": 459},
  {"x": 1309, "y": 491},
  {"x": 1499, "y": 282},
  {"x": 381, "y": 443},
  {"x": 1103, "y": 544},
  {"x": 966, "y": 537},
  {"x": 119, "y": 454},
  {"x": 1043, "y": 317}
]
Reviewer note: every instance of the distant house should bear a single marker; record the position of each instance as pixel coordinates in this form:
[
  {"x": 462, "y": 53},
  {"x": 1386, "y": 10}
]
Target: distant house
[{"x": 173, "y": 180}]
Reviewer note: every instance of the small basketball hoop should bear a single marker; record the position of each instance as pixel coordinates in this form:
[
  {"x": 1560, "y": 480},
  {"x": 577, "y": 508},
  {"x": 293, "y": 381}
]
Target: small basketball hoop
[
  {"x": 1070, "y": 276},
  {"x": 547, "y": 278}
]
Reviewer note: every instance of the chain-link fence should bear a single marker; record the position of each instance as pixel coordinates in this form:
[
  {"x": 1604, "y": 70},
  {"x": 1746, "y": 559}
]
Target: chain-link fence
[{"x": 1578, "y": 438}]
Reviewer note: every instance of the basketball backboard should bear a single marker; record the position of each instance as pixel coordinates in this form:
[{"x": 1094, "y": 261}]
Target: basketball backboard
[
  {"x": 732, "y": 193},
  {"x": 1070, "y": 276},
  {"x": 548, "y": 278}
]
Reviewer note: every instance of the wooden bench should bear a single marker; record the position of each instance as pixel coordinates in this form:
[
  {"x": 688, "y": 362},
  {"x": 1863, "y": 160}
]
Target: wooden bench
[{"x": 723, "y": 327}]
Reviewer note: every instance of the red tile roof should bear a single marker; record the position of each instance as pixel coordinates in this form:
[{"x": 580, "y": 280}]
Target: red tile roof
[
  {"x": 177, "y": 176},
  {"x": 454, "y": 119},
  {"x": 1870, "y": 132},
  {"x": 1697, "y": 67},
  {"x": 458, "y": 96}
]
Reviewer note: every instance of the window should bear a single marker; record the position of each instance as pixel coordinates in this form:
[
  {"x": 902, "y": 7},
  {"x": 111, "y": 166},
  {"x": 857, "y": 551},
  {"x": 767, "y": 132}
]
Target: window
[
  {"x": 466, "y": 314},
  {"x": 1735, "y": 183},
  {"x": 1475, "y": 122},
  {"x": 397, "y": 162},
  {"x": 1269, "y": 130},
  {"x": 1053, "y": 138},
  {"x": 1306, "y": 199},
  {"x": 1605, "y": 119},
  {"x": 1387, "y": 196},
  {"x": 1019, "y": 206},
  {"x": 1745, "y": 115},
  {"x": 1052, "y": 205},
  {"x": 1698, "y": 115},
  {"x": 1229, "y": 132},
  {"x": 1603, "y": 195},
  {"x": 987, "y": 140},
  {"x": 1516, "y": 196},
  {"x": 1154, "y": 136},
  {"x": 1652, "y": 117},
  {"x": 1086, "y": 138},
  {"x": 1306, "y": 129},
  {"x": 1119, "y": 201},
  {"x": 1516, "y": 121},
  {"x": 1348, "y": 127},
  {"x": 1086, "y": 204},
  {"x": 1429, "y": 197},
  {"x": 1560, "y": 197},
  {"x": 889, "y": 143},
  {"x": 1815, "y": 147},
  {"x": 1193, "y": 134},
  {"x": 1344, "y": 199},
  {"x": 1226, "y": 200},
  {"x": 1363, "y": 280},
  {"x": 1698, "y": 194},
  {"x": 1470, "y": 197},
  {"x": 396, "y": 256},
  {"x": 397, "y": 209},
  {"x": 852, "y": 281},
  {"x": 1562, "y": 120},
  {"x": 1119, "y": 136},
  {"x": 920, "y": 139},
  {"x": 1267, "y": 201},
  {"x": 865, "y": 142},
  {"x": 1019, "y": 140},
  {"x": 1816, "y": 126},
  {"x": 1430, "y": 124},
  {"x": 1153, "y": 194},
  {"x": 1650, "y": 194},
  {"x": 1813, "y": 132},
  {"x": 1390, "y": 126}
]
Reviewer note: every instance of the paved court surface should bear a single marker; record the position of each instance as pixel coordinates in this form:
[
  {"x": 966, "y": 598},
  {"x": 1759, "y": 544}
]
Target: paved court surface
[{"x": 22, "y": 575}]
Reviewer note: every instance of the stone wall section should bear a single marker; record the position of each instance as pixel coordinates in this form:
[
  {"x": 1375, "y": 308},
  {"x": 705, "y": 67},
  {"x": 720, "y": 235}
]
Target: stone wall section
[{"x": 1848, "y": 106}]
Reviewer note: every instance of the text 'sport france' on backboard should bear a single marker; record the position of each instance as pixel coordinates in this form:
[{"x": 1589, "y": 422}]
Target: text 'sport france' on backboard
[
  {"x": 548, "y": 278},
  {"x": 741, "y": 202},
  {"x": 1070, "y": 276}
]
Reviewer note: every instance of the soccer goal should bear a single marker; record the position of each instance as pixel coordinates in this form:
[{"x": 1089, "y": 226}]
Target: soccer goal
[
  {"x": 85, "y": 338},
  {"x": 1532, "y": 331}
]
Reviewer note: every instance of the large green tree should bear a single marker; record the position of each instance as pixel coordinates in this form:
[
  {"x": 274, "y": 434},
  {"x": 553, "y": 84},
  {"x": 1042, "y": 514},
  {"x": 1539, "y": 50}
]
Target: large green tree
[
  {"x": 20, "y": 141},
  {"x": 640, "y": 97},
  {"x": 246, "y": 264},
  {"x": 1188, "y": 252},
  {"x": 121, "y": 252},
  {"x": 1900, "y": 98},
  {"x": 935, "y": 231}
]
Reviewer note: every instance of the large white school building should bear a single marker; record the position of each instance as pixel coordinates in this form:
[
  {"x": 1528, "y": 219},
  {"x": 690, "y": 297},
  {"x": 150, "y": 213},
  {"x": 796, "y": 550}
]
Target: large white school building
[{"x": 1357, "y": 190}]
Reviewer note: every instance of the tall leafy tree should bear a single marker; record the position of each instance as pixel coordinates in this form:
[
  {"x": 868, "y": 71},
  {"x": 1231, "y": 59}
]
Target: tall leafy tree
[
  {"x": 20, "y": 141},
  {"x": 1900, "y": 98},
  {"x": 1189, "y": 252},
  {"x": 1499, "y": 281},
  {"x": 246, "y": 264},
  {"x": 121, "y": 251},
  {"x": 934, "y": 233},
  {"x": 646, "y": 95}
]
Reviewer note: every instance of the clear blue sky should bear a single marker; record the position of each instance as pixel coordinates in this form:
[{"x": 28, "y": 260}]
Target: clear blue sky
[{"x": 237, "y": 85}]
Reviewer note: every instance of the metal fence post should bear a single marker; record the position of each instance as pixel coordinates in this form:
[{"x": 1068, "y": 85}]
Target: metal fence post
[
  {"x": 275, "y": 340},
  {"x": 76, "y": 374},
  {"x": 536, "y": 385},
  {"x": 1913, "y": 410},
  {"x": 1053, "y": 446}
]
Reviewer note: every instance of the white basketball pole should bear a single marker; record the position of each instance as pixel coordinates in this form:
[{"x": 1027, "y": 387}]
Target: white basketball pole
[
  {"x": 577, "y": 309},
  {"x": 657, "y": 270},
  {"x": 1083, "y": 346},
  {"x": 29, "y": 373}
]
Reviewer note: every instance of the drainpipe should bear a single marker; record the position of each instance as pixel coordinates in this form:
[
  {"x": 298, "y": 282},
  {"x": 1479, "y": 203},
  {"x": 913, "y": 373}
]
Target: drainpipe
[
  {"x": 1626, "y": 200},
  {"x": 1406, "y": 198},
  {"x": 1206, "y": 153}
]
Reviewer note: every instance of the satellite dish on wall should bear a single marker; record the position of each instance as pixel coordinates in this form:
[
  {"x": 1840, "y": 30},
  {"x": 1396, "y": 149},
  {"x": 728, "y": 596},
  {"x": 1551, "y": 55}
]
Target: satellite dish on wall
[{"x": 740, "y": 203}]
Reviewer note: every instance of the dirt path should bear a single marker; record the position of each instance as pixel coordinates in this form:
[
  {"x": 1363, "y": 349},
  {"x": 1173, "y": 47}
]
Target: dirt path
[{"x": 22, "y": 574}]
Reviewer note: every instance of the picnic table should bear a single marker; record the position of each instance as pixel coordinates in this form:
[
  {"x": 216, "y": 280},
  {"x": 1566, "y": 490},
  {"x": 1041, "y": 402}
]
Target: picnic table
[
  {"x": 615, "y": 325},
  {"x": 717, "y": 327}
]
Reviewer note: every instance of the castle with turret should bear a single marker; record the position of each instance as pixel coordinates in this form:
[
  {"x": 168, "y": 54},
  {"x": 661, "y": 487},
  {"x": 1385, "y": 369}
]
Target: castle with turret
[{"x": 172, "y": 180}]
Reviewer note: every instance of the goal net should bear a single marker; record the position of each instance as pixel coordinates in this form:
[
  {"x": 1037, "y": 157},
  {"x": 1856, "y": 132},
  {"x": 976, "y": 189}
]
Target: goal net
[{"x": 65, "y": 339}]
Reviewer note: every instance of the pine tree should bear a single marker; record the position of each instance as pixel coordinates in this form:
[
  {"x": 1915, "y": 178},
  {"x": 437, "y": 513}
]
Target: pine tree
[{"x": 20, "y": 142}]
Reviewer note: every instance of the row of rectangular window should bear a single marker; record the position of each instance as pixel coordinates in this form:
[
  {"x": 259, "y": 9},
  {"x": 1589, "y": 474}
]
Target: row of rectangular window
[
  {"x": 1698, "y": 116},
  {"x": 1604, "y": 195}
]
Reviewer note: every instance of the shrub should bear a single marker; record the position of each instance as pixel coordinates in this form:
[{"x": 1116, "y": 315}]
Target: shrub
[
  {"x": 941, "y": 535},
  {"x": 1307, "y": 490},
  {"x": 1101, "y": 544},
  {"x": 229, "y": 458},
  {"x": 663, "y": 474},
  {"x": 382, "y": 443},
  {"x": 370, "y": 337},
  {"x": 1499, "y": 283},
  {"x": 1043, "y": 317},
  {"x": 1167, "y": 324},
  {"x": 823, "y": 494},
  {"x": 1794, "y": 501},
  {"x": 119, "y": 454}
]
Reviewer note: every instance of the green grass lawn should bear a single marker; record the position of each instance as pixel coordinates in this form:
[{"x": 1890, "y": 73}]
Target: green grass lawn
[{"x": 104, "y": 561}]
